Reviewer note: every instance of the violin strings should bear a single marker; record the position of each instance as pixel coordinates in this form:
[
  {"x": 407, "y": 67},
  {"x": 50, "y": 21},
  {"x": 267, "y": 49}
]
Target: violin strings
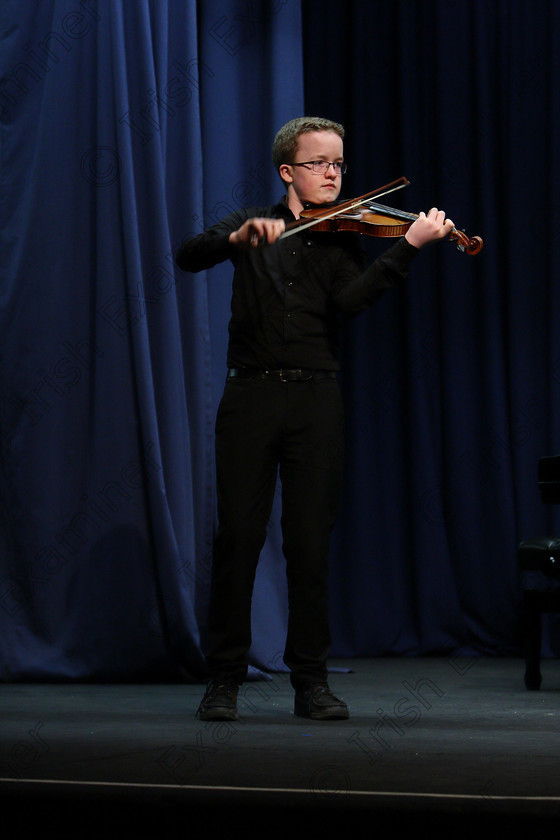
[{"x": 350, "y": 206}]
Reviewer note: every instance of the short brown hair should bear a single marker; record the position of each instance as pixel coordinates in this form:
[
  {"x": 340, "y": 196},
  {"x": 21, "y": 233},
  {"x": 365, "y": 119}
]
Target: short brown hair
[{"x": 285, "y": 142}]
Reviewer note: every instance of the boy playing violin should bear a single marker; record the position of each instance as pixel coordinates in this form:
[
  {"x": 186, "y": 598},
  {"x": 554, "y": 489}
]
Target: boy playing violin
[{"x": 282, "y": 409}]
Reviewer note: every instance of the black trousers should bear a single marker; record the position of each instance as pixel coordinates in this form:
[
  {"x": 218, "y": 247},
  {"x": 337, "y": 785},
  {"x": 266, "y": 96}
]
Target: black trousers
[{"x": 263, "y": 426}]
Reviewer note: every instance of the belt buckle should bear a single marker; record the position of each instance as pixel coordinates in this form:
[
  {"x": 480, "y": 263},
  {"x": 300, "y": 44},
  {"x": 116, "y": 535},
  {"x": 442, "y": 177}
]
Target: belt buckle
[{"x": 282, "y": 374}]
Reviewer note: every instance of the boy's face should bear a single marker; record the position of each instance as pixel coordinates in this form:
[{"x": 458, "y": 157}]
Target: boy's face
[{"x": 317, "y": 188}]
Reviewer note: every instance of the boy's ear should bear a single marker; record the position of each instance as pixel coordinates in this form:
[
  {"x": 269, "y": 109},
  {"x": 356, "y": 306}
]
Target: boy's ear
[{"x": 285, "y": 173}]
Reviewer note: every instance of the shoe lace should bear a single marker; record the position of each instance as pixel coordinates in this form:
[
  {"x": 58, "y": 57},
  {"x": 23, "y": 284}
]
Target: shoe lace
[
  {"x": 319, "y": 690},
  {"x": 227, "y": 688}
]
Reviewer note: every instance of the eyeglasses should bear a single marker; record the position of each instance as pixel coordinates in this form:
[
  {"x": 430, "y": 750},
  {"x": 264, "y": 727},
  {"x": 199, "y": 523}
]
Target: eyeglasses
[{"x": 321, "y": 167}]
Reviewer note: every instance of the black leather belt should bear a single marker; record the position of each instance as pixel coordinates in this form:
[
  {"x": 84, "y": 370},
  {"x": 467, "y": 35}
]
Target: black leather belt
[{"x": 280, "y": 375}]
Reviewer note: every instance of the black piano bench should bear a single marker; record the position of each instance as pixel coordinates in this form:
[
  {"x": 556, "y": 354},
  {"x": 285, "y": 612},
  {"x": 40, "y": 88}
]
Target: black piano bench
[{"x": 539, "y": 562}]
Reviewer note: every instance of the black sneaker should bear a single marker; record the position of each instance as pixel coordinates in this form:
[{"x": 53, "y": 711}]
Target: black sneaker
[
  {"x": 219, "y": 701},
  {"x": 318, "y": 702}
]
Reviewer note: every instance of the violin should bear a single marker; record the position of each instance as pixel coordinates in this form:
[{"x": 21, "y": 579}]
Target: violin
[{"x": 362, "y": 215}]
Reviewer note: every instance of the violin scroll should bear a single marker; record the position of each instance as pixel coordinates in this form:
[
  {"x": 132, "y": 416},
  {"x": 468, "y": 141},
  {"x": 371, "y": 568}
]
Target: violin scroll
[{"x": 470, "y": 245}]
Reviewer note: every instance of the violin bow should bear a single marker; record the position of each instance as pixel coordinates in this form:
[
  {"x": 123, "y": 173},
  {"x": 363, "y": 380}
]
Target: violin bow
[{"x": 351, "y": 204}]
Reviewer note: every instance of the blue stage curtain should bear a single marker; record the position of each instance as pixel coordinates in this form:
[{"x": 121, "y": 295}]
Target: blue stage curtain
[
  {"x": 125, "y": 127},
  {"x": 452, "y": 381}
]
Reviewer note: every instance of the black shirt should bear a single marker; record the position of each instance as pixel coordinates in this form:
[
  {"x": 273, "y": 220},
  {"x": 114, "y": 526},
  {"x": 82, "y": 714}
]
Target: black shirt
[{"x": 287, "y": 297}]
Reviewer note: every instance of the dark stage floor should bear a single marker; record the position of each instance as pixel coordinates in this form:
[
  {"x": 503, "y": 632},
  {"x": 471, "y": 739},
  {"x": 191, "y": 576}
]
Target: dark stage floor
[{"x": 431, "y": 743}]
